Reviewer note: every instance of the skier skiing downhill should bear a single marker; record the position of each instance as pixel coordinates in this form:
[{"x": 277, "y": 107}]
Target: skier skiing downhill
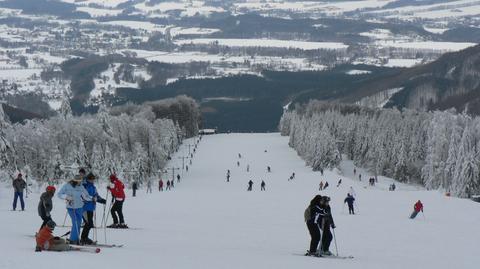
[
  {"x": 349, "y": 201},
  {"x": 262, "y": 186},
  {"x": 116, "y": 187},
  {"x": 134, "y": 188},
  {"x": 160, "y": 185},
  {"x": 74, "y": 194},
  {"x": 89, "y": 208},
  {"x": 416, "y": 209},
  {"x": 45, "y": 205},
  {"x": 313, "y": 218},
  {"x": 250, "y": 185},
  {"x": 18, "y": 186}
]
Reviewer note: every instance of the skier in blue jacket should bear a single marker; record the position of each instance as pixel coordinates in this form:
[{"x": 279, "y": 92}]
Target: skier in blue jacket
[
  {"x": 74, "y": 195},
  {"x": 349, "y": 200},
  {"x": 89, "y": 208}
]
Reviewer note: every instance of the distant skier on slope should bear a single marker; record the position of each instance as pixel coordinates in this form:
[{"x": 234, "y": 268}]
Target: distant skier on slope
[
  {"x": 248, "y": 168},
  {"x": 320, "y": 186},
  {"x": 262, "y": 186},
  {"x": 178, "y": 178},
  {"x": 339, "y": 183},
  {"x": 238, "y": 163},
  {"x": 269, "y": 169},
  {"x": 349, "y": 201},
  {"x": 149, "y": 186},
  {"x": 416, "y": 209},
  {"x": 168, "y": 185},
  {"x": 228, "y": 175},
  {"x": 250, "y": 185},
  {"x": 160, "y": 185},
  {"x": 18, "y": 186},
  {"x": 313, "y": 216},
  {"x": 327, "y": 222},
  {"x": 46, "y": 241},
  {"x": 134, "y": 188}
]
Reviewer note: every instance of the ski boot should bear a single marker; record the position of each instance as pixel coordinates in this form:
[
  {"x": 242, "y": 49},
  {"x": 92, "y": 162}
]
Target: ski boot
[
  {"x": 87, "y": 241},
  {"x": 123, "y": 226},
  {"x": 114, "y": 225},
  {"x": 314, "y": 254},
  {"x": 326, "y": 253}
]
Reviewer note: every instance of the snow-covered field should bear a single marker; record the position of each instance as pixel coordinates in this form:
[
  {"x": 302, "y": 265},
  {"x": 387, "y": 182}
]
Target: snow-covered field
[{"x": 206, "y": 222}]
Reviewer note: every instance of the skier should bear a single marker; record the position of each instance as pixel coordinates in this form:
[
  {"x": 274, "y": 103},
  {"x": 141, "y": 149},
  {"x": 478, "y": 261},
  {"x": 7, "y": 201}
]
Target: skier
[
  {"x": 248, "y": 168},
  {"x": 321, "y": 171},
  {"x": 238, "y": 163},
  {"x": 393, "y": 186},
  {"x": 360, "y": 177},
  {"x": 190, "y": 161},
  {"x": 228, "y": 175},
  {"x": 160, "y": 185},
  {"x": 339, "y": 183},
  {"x": 134, "y": 188},
  {"x": 269, "y": 169},
  {"x": 327, "y": 222},
  {"x": 239, "y": 155},
  {"x": 416, "y": 209},
  {"x": 349, "y": 201},
  {"x": 262, "y": 186},
  {"x": 89, "y": 208},
  {"x": 178, "y": 178},
  {"x": 354, "y": 171},
  {"x": 326, "y": 185},
  {"x": 172, "y": 183},
  {"x": 313, "y": 217},
  {"x": 320, "y": 186},
  {"x": 74, "y": 194},
  {"x": 168, "y": 185},
  {"x": 46, "y": 241},
  {"x": 45, "y": 205},
  {"x": 18, "y": 186},
  {"x": 116, "y": 187},
  {"x": 149, "y": 186},
  {"x": 352, "y": 192},
  {"x": 186, "y": 167},
  {"x": 293, "y": 175},
  {"x": 250, "y": 185}
]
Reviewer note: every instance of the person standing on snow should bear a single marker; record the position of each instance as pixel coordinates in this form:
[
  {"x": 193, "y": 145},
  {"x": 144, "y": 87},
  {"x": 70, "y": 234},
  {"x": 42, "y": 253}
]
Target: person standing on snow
[
  {"x": 313, "y": 217},
  {"x": 250, "y": 185},
  {"x": 416, "y": 209},
  {"x": 45, "y": 205},
  {"x": 262, "y": 186},
  {"x": 327, "y": 222},
  {"x": 269, "y": 169},
  {"x": 18, "y": 186},
  {"x": 46, "y": 241},
  {"x": 349, "y": 200},
  {"x": 248, "y": 168},
  {"x": 178, "y": 178},
  {"x": 89, "y": 208},
  {"x": 134, "y": 188},
  {"x": 149, "y": 186},
  {"x": 339, "y": 183},
  {"x": 160, "y": 185},
  {"x": 168, "y": 185},
  {"x": 320, "y": 186},
  {"x": 116, "y": 187},
  {"x": 74, "y": 194}
]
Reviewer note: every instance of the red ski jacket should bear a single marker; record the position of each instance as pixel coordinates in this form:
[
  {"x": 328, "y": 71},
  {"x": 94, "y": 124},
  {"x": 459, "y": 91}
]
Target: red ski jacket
[
  {"x": 117, "y": 190},
  {"x": 418, "y": 206}
]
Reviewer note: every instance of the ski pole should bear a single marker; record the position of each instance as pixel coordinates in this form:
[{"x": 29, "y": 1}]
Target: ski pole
[
  {"x": 423, "y": 214},
  {"x": 95, "y": 225},
  {"x": 104, "y": 206},
  {"x": 65, "y": 219},
  {"x": 335, "y": 240}
]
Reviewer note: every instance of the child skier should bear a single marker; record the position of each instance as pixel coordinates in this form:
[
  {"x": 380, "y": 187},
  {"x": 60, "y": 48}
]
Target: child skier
[
  {"x": 327, "y": 222},
  {"x": 45, "y": 205},
  {"x": 46, "y": 241},
  {"x": 416, "y": 209},
  {"x": 89, "y": 208}
]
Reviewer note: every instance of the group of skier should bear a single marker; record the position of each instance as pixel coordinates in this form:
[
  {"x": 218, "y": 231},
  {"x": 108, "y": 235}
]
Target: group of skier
[{"x": 81, "y": 197}]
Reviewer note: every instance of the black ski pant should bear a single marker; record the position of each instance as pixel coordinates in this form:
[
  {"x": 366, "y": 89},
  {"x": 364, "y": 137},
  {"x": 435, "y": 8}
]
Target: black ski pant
[
  {"x": 45, "y": 220},
  {"x": 326, "y": 239},
  {"x": 88, "y": 224},
  {"x": 134, "y": 192},
  {"x": 117, "y": 209},
  {"x": 314, "y": 231},
  {"x": 262, "y": 188},
  {"x": 350, "y": 210}
]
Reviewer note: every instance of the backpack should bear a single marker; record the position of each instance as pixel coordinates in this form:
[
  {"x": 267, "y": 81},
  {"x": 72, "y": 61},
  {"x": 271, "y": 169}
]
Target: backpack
[{"x": 307, "y": 214}]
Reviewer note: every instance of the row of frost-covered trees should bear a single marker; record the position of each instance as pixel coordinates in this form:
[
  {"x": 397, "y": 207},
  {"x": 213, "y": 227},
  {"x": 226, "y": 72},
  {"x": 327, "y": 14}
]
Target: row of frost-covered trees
[
  {"x": 440, "y": 150},
  {"x": 134, "y": 142}
]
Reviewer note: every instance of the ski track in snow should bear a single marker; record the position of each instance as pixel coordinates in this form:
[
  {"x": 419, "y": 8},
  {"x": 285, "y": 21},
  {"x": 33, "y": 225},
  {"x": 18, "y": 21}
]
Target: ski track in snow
[{"x": 208, "y": 223}]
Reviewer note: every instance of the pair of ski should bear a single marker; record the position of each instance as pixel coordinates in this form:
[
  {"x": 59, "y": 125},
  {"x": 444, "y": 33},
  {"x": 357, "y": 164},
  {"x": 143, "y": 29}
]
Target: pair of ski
[
  {"x": 98, "y": 245},
  {"x": 94, "y": 248}
]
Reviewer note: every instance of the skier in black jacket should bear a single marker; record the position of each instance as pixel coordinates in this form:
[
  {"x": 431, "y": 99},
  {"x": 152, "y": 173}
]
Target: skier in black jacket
[
  {"x": 45, "y": 205},
  {"x": 349, "y": 200},
  {"x": 314, "y": 215},
  {"x": 327, "y": 222}
]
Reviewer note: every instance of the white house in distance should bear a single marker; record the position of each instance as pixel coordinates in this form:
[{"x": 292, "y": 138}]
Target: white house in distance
[{"x": 207, "y": 131}]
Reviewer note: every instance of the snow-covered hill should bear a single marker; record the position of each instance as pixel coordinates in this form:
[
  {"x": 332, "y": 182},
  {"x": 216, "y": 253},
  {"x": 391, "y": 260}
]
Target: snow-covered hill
[{"x": 206, "y": 222}]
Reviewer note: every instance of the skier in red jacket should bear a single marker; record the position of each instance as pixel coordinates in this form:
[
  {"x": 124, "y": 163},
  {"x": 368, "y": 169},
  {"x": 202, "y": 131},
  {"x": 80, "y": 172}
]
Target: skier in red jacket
[
  {"x": 116, "y": 187},
  {"x": 416, "y": 209}
]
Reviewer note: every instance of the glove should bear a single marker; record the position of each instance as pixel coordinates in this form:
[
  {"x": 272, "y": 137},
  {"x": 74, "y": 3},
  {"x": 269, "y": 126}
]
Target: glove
[
  {"x": 69, "y": 198},
  {"x": 333, "y": 226},
  {"x": 56, "y": 238}
]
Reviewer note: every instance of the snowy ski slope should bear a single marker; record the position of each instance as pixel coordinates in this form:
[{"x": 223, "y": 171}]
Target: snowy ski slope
[{"x": 208, "y": 223}]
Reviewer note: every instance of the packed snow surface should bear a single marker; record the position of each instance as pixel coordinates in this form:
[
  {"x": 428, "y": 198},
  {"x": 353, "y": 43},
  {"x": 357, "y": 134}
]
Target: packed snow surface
[{"x": 206, "y": 222}]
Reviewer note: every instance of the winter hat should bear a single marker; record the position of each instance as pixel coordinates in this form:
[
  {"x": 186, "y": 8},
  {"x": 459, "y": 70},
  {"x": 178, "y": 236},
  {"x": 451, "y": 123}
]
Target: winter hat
[
  {"x": 325, "y": 199},
  {"x": 51, "y": 224},
  {"x": 77, "y": 178},
  {"x": 91, "y": 176},
  {"x": 19, "y": 174},
  {"x": 82, "y": 171},
  {"x": 51, "y": 188},
  {"x": 113, "y": 177}
]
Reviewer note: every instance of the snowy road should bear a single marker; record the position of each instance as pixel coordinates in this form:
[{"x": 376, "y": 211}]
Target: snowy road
[{"x": 206, "y": 222}]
